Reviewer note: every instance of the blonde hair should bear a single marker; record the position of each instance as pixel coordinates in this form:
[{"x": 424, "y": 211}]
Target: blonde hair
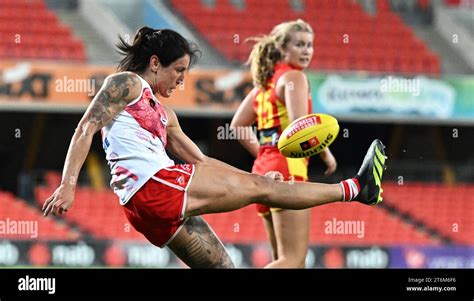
[{"x": 265, "y": 53}]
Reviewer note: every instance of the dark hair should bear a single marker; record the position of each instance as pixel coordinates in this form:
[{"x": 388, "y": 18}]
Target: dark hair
[{"x": 167, "y": 44}]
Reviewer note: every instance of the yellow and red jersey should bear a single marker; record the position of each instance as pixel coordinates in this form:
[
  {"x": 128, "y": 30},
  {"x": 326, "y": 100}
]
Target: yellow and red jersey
[
  {"x": 272, "y": 119},
  {"x": 272, "y": 115}
]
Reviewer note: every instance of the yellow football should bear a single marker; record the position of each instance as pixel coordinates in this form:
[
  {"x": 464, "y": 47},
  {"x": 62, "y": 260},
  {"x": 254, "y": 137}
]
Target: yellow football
[{"x": 308, "y": 135}]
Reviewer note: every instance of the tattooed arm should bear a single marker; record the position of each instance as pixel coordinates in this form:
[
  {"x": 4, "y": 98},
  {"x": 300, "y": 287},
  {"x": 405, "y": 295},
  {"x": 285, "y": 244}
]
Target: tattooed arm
[{"x": 117, "y": 91}]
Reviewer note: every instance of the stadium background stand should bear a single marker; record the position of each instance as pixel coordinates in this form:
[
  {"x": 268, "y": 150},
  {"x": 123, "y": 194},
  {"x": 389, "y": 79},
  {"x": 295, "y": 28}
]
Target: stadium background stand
[
  {"x": 380, "y": 227},
  {"x": 14, "y": 209},
  {"x": 446, "y": 208},
  {"x": 380, "y": 43},
  {"x": 97, "y": 212},
  {"x": 28, "y": 29}
]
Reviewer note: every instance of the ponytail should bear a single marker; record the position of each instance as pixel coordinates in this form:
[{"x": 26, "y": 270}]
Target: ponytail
[
  {"x": 263, "y": 59},
  {"x": 167, "y": 44},
  {"x": 131, "y": 52}
]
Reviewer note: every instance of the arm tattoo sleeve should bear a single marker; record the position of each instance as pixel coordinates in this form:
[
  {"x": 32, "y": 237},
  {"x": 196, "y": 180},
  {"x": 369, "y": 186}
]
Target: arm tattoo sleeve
[{"x": 111, "y": 99}]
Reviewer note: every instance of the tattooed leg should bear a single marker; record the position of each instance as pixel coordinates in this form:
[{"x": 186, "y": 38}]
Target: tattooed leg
[{"x": 198, "y": 247}]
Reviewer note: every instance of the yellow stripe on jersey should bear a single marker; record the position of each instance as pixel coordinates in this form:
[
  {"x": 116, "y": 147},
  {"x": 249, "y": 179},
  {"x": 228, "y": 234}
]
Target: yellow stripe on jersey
[
  {"x": 283, "y": 114},
  {"x": 298, "y": 167},
  {"x": 266, "y": 118}
]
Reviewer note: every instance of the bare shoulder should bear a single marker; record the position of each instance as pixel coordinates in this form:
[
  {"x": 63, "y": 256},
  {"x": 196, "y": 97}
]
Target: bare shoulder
[
  {"x": 293, "y": 79},
  {"x": 253, "y": 92},
  {"x": 250, "y": 96},
  {"x": 172, "y": 118},
  {"x": 122, "y": 86},
  {"x": 295, "y": 76}
]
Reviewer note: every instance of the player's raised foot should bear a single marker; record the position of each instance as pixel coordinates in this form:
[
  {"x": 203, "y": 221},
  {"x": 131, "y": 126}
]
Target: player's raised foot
[
  {"x": 370, "y": 174},
  {"x": 366, "y": 186}
]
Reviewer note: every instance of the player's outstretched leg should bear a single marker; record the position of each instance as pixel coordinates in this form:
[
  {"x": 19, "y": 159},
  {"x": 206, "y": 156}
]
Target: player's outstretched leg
[{"x": 219, "y": 189}]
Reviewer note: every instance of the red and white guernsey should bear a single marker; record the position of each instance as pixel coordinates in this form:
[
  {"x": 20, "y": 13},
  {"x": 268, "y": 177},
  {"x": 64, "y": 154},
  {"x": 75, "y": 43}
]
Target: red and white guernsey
[{"x": 134, "y": 143}]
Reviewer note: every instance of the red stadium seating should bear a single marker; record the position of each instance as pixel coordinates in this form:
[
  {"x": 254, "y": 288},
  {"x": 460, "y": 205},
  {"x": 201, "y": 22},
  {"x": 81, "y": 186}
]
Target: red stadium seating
[
  {"x": 244, "y": 226},
  {"x": 346, "y": 37},
  {"x": 447, "y": 209},
  {"x": 380, "y": 227},
  {"x": 29, "y": 30},
  {"x": 438, "y": 207},
  {"x": 97, "y": 212},
  {"x": 14, "y": 209},
  {"x": 452, "y": 2}
]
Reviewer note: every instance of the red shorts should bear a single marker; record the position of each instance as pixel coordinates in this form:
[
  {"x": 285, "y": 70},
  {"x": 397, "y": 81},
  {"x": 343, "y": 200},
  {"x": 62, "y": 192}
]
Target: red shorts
[
  {"x": 270, "y": 159},
  {"x": 157, "y": 209}
]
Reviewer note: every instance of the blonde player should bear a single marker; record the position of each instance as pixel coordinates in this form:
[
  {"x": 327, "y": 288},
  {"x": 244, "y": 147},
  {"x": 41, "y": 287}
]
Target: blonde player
[{"x": 281, "y": 95}]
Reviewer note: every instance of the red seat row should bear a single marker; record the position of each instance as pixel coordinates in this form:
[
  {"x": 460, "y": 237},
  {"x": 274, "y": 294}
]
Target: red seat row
[
  {"x": 96, "y": 211},
  {"x": 25, "y": 4},
  {"x": 447, "y": 209},
  {"x": 29, "y": 222},
  {"x": 28, "y": 29},
  {"x": 340, "y": 24},
  {"x": 363, "y": 226}
]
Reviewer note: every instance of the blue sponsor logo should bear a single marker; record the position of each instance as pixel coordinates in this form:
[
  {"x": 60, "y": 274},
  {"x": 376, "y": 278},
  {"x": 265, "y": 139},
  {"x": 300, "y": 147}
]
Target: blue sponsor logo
[{"x": 106, "y": 144}]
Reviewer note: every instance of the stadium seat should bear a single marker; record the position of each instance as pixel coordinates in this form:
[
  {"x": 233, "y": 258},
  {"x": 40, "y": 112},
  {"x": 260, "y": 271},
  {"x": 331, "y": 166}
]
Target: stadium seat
[
  {"x": 438, "y": 207},
  {"x": 380, "y": 227},
  {"x": 18, "y": 210},
  {"x": 330, "y": 19},
  {"x": 25, "y": 24},
  {"x": 97, "y": 212},
  {"x": 446, "y": 209}
]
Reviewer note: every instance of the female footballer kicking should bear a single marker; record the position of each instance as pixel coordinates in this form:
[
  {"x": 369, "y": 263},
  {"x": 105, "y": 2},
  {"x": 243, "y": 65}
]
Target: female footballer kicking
[
  {"x": 162, "y": 200},
  {"x": 281, "y": 95}
]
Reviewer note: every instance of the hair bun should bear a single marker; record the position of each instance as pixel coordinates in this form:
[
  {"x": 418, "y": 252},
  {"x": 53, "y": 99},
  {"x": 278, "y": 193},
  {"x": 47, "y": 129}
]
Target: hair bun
[
  {"x": 142, "y": 33},
  {"x": 167, "y": 44}
]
